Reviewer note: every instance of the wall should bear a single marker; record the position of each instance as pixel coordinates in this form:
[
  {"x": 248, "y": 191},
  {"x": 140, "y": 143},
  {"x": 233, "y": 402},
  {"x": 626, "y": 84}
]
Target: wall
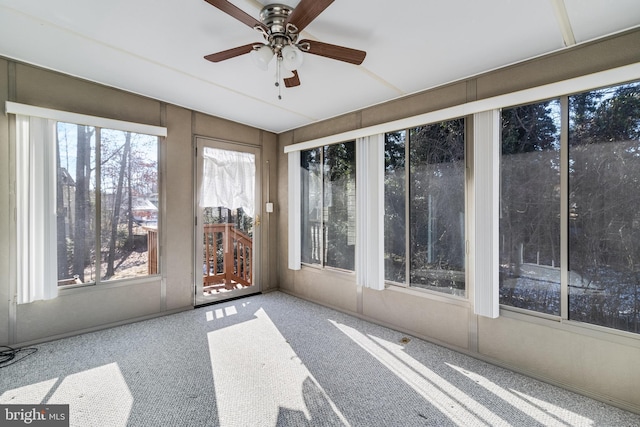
[
  {"x": 5, "y": 212},
  {"x": 572, "y": 356},
  {"x": 77, "y": 310},
  {"x": 567, "y": 355}
]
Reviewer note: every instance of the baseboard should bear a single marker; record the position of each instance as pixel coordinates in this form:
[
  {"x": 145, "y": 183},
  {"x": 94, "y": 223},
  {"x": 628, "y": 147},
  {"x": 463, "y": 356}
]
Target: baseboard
[{"x": 100, "y": 327}]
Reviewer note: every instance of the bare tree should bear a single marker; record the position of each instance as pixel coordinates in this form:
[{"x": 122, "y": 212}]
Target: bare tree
[
  {"x": 60, "y": 218},
  {"x": 116, "y": 207},
  {"x": 81, "y": 248}
]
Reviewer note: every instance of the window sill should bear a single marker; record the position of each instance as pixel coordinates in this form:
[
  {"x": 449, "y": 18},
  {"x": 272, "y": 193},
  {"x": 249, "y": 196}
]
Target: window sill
[
  {"x": 325, "y": 269},
  {"x": 432, "y": 295},
  {"x": 603, "y": 333},
  {"x": 71, "y": 290}
]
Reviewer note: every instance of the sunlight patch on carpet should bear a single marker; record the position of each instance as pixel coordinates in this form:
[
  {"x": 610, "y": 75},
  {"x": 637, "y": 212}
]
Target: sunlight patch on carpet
[
  {"x": 253, "y": 362},
  {"x": 459, "y": 407},
  {"x": 98, "y": 396},
  {"x": 29, "y": 394}
]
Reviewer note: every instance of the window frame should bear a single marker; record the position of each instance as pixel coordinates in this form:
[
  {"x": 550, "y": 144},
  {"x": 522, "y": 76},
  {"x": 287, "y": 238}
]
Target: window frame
[
  {"x": 159, "y": 132},
  {"x": 408, "y": 199},
  {"x": 491, "y": 106},
  {"x": 97, "y": 216},
  {"x": 566, "y": 315},
  {"x": 322, "y": 265},
  {"x": 562, "y": 153},
  {"x": 563, "y": 318}
]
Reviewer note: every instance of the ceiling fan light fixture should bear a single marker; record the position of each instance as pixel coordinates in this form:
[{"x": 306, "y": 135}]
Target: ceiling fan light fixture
[
  {"x": 262, "y": 56},
  {"x": 291, "y": 57}
]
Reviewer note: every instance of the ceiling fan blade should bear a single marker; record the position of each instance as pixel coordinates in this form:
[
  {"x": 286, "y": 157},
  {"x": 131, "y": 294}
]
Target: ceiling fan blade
[
  {"x": 292, "y": 81},
  {"x": 352, "y": 56},
  {"x": 236, "y": 12},
  {"x": 306, "y": 11},
  {"x": 230, "y": 53}
]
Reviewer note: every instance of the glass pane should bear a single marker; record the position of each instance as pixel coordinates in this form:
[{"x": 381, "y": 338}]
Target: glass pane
[
  {"x": 227, "y": 200},
  {"x": 129, "y": 204},
  {"x": 530, "y": 207},
  {"x": 311, "y": 200},
  {"x": 395, "y": 247},
  {"x": 604, "y": 209},
  {"x": 75, "y": 204},
  {"x": 339, "y": 210},
  {"x": 436, "y": 216}
]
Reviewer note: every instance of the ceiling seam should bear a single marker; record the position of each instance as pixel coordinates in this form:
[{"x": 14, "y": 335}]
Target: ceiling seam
[{"x": 365, "y": 70}]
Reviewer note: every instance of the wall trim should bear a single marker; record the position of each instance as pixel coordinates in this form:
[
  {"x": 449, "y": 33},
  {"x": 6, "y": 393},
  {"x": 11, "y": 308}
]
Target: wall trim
[
  {"x": 84, "y": 119},
  {"x": 101, "y": 327},
  {"x": 539, "y": 93}
]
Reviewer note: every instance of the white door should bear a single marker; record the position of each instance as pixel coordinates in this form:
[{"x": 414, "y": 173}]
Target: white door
[{"x": 228, "y": 221}]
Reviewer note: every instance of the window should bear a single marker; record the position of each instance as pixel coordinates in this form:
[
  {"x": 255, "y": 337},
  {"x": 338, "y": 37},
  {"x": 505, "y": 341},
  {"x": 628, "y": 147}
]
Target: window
[
  {"x": 114, "y": 237},
  {"x": 328, "y": 205},
  {"x": 555, "y": 201},
  {"x": 424, "y": 207},
  {"x": 530, "y": 207},
  {"x": 604, "y": 207},
  {"x": 602, "y": 215},
  {"x": 86, "y": 200},
  {"x": 395, "y": 212}
]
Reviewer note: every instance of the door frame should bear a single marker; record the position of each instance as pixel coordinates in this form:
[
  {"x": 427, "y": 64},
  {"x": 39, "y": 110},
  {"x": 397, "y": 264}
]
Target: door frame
[{"x": 200, "y": 142}]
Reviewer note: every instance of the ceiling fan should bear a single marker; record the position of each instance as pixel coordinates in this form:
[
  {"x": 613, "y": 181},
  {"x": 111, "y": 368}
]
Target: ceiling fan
[{"x": 280, "y": 26}]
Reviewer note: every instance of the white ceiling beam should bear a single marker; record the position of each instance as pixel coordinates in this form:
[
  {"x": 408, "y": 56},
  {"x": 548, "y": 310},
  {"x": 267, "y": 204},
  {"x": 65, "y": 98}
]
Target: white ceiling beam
[{"x": 560, "y": 10}]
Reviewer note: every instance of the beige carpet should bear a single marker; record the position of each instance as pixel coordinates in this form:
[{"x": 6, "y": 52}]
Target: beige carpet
[{"x": 275, "y": 360}]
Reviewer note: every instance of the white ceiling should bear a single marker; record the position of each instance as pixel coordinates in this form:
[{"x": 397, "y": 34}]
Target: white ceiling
[{"x": 156, "y": 48}]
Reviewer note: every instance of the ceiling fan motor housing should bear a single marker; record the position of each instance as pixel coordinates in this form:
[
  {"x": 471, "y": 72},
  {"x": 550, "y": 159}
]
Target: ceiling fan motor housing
[{"x": 274, "y": 17}]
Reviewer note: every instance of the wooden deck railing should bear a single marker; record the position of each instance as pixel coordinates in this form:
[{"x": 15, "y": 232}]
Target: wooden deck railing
[
  {"x": 152, "y": 250},
  {"x": 227, "y": 256}
]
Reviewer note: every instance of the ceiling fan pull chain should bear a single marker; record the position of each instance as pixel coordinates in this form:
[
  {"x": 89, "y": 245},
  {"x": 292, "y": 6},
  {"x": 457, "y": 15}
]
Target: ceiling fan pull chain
[{"x": 278, "y": 85}]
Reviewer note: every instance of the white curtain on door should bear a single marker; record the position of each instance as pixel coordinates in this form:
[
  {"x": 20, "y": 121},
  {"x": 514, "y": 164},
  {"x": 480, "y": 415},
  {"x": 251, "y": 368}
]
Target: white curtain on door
[
  {"x": 37, "y": 273},
  {"x": 228, "y": 180}
]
